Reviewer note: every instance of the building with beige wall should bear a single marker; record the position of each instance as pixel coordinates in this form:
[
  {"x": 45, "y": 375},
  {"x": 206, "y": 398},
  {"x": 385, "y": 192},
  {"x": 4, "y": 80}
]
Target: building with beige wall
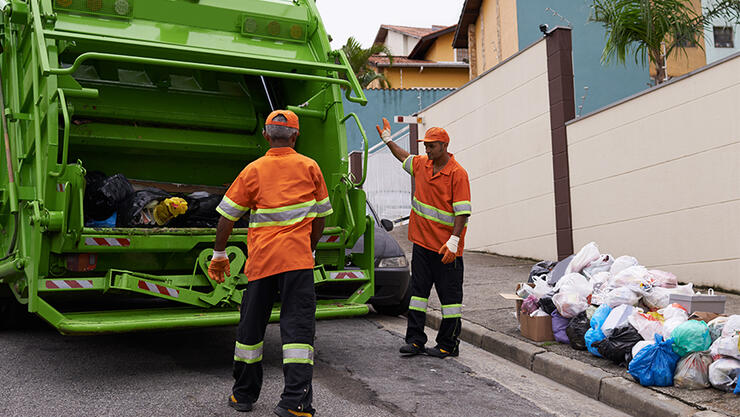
[
  {"x": 658, "y": 177},
  {"x": 499, "y": 127}
]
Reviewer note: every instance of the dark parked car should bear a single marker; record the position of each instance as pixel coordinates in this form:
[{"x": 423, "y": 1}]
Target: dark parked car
[{"x": 392, "y": 276}]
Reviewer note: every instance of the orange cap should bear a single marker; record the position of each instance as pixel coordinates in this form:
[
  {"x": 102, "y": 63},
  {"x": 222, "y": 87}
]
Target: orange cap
[
  {"x": 436, "y": 134},
  {"x": 290, "y": 117}
]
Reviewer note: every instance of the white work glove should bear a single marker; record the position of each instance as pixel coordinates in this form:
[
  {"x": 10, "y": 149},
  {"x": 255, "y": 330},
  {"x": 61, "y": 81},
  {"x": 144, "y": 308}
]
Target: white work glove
[
  {"x": 452, "y": 243},
  {"x": 218, "y": 254},
  {"x": 385, "y": 133},
  {"x": 449, "y": 249}
]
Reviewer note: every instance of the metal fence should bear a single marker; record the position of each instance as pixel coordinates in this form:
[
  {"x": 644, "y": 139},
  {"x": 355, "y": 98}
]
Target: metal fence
[{"x": 388, "y": 186}]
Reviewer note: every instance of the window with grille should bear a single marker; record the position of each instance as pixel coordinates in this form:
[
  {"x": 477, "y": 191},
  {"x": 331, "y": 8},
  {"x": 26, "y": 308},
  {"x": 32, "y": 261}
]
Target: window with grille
[
  {"x": 723, "y": 37},
  {"x": 461, "y": 55}
]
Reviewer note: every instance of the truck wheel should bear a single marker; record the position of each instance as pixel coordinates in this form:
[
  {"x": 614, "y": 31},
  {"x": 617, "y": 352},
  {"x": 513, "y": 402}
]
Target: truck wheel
[{"x": 397, "y": 309}]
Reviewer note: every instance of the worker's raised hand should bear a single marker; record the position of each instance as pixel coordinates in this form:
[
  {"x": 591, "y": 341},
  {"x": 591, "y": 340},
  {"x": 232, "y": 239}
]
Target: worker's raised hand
[
  {"x": 385, "y": 133},
  {"x": 219, "y": 269}
]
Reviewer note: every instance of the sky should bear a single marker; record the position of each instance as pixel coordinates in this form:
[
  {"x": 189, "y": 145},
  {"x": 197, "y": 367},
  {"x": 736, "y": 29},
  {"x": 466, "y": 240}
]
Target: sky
[{"x": 362, "y": 18}]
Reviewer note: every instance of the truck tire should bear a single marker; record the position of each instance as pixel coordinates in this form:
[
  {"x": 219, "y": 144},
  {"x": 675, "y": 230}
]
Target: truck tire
[{"x": 396, "y": 309}]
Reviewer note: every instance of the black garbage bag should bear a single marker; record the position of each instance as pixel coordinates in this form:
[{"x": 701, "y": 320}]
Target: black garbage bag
[
  {"x": 559, "y": 271},
  {"x": 576, "y": 331},
  {"x": 541, "y": 268},
  {"x": 201, "y": 211},
  {"x": 618, "y": 346},
  {"x": 104, "y": 195},
  {"x": 546, "y": 304},
  {"x": 136, "y": 211}
]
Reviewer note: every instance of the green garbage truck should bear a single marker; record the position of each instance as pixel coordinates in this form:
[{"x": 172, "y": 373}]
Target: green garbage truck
[{"x": 171, "y": 95}]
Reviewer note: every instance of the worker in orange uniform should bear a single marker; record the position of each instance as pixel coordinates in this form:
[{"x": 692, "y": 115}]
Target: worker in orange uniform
[
  {"x": 439, "y": 214},
  {"x": 287, "y": 200}
]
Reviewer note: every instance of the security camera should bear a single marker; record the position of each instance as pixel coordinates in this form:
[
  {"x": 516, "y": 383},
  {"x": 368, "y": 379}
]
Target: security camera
[{"x": 543, "y": 28}]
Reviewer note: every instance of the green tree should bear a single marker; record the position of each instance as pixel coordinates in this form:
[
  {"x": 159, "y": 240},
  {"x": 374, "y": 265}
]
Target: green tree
[
  {"x": 359, "y": 58},
  {"x": 656, "y": 29}
]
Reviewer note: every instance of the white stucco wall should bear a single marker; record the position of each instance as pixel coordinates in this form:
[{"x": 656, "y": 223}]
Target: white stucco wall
[
  {"x": 658, "y": 177},
  {"x": 499, "y": 127}
]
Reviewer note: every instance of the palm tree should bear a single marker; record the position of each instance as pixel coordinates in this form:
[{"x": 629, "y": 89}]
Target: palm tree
[
  {"x": 655, "y": 29},
  {"x": 359, "y": 61}
]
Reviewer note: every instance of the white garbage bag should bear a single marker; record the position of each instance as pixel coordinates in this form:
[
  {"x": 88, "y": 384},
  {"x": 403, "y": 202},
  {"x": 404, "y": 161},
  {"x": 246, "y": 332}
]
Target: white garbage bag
[
  {"x": 574, "y": 283},
  {"x": 602, "y": 264},
  {"x": 622, "y": 263},
  {"x": 619, "y": 296},
  {"x": 569, "y": 304},
  {"x": 541, "y": 287},
  {"x": 723, "y": 373},
  {"x": 585, "y": 256},
  {"x": 664, "y": 279},
  {"x": 657, "y": 297},
  {"x": 692, "y": 371},
  {"x": 674, "y": 315},
  {"x": 618, "y": 317},
  {"x": 646, "y": 325},
  {"x": 726, "y": 346},
  {"x": 732, "y": 325},
  {"x": 637, "y": 278}
]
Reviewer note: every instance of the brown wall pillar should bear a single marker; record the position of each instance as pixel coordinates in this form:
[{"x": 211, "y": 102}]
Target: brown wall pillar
[{"x": 562, "y": 109}]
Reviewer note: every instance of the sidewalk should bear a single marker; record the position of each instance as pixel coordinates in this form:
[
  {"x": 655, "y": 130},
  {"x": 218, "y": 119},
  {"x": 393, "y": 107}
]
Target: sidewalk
[{"x": 488, "y": 322}]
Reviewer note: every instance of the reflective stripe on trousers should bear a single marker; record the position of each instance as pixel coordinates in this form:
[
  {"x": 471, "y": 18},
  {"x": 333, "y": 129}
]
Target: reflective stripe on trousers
[
  {"x": 297, "y": 353},
  {"x": 248, "y": 353},
  {"x": 450, "y": 311},
  {"x": 418, "y": 304}
]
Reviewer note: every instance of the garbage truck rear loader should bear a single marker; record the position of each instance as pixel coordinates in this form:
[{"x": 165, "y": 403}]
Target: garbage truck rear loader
[{"x": 171, "y": 94}]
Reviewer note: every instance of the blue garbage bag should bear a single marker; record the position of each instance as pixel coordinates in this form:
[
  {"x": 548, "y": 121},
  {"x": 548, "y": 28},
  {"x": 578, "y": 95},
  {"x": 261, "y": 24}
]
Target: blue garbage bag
[
  {"x": 599, "y": 317},
  {"x": 592, "y": 336},
  {"x": 655, "y": 365}
]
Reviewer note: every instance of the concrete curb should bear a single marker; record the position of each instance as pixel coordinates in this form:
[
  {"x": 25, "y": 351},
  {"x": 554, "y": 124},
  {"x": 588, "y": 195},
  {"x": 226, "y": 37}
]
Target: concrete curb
[{"x": 618, "y": 392}]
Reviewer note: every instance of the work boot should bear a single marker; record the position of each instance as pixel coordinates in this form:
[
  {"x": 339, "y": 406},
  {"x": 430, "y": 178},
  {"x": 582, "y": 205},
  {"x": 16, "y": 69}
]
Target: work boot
[
  {"x": 284, "y": 412},
  {"x": 438, "y": 352},
  {"x": 233, "y": 403},
  {"x": 411, "y": 349}
]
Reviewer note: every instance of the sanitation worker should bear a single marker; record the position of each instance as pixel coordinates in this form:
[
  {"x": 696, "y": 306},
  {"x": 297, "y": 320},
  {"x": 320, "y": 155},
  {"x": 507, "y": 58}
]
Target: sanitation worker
[
  {"x": 287, "y": 200},
  {"x": 439, "y": 214}
]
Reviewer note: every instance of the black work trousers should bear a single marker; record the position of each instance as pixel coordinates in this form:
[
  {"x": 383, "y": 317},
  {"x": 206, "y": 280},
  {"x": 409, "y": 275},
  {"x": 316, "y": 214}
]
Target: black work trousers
[
  {"x": 297, "y": 329},
  {"x": 427, "y": 269}
]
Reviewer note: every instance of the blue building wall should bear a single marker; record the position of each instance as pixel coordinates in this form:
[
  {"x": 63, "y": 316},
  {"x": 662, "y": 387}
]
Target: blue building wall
[
  {"x": 606, "y": 83},
  {"x": 387, "y": 103}
]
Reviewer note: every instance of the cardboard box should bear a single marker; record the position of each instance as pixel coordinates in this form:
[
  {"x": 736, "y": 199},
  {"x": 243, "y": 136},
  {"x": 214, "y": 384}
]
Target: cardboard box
[{"x": 537, "y": 329}]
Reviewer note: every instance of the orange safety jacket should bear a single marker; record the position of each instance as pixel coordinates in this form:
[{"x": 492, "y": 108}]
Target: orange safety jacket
[
  {"x": 437, "y": 200},
  {"x": 283, "y": 191}
]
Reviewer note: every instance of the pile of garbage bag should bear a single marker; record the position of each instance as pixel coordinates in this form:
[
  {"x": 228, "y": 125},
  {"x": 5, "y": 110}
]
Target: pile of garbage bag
[
  {"x": 112, "y": 201},
  {"x": 619, "y": 310}
]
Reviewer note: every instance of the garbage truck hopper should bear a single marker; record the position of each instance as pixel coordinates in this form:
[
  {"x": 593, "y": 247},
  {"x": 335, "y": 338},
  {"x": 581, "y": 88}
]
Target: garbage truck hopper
[{"x": 120, "y": 104}]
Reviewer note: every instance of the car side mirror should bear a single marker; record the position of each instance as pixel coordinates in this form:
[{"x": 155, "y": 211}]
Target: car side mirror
[{"x": 387, "y": 224}]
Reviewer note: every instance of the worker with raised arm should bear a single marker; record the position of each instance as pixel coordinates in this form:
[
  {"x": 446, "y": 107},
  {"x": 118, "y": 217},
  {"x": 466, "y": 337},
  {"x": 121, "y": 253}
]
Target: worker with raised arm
[
  {"x": 287, "y": 200},
  {"x": 439, "y": 214}
]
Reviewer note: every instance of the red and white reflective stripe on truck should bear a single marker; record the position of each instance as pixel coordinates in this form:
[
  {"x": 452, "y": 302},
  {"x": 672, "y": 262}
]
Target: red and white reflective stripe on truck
[
  {"x": 61, "y": 187},
  {"x": 107, "y": 241},
  {"x": 329, "y": 239},
  {"x": 63, "y": 284},
  {"x": 347, "y": 275},
  {"x": 159, "y": 289}
]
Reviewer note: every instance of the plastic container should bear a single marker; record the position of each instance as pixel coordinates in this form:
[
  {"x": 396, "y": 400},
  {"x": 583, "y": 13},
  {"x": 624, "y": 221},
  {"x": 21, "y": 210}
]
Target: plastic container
[{"x": 700, "y": 302}]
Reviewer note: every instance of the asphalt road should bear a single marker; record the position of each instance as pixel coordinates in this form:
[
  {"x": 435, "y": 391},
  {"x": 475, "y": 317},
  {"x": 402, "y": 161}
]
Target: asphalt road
[{"x": 358, "y": 372}]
